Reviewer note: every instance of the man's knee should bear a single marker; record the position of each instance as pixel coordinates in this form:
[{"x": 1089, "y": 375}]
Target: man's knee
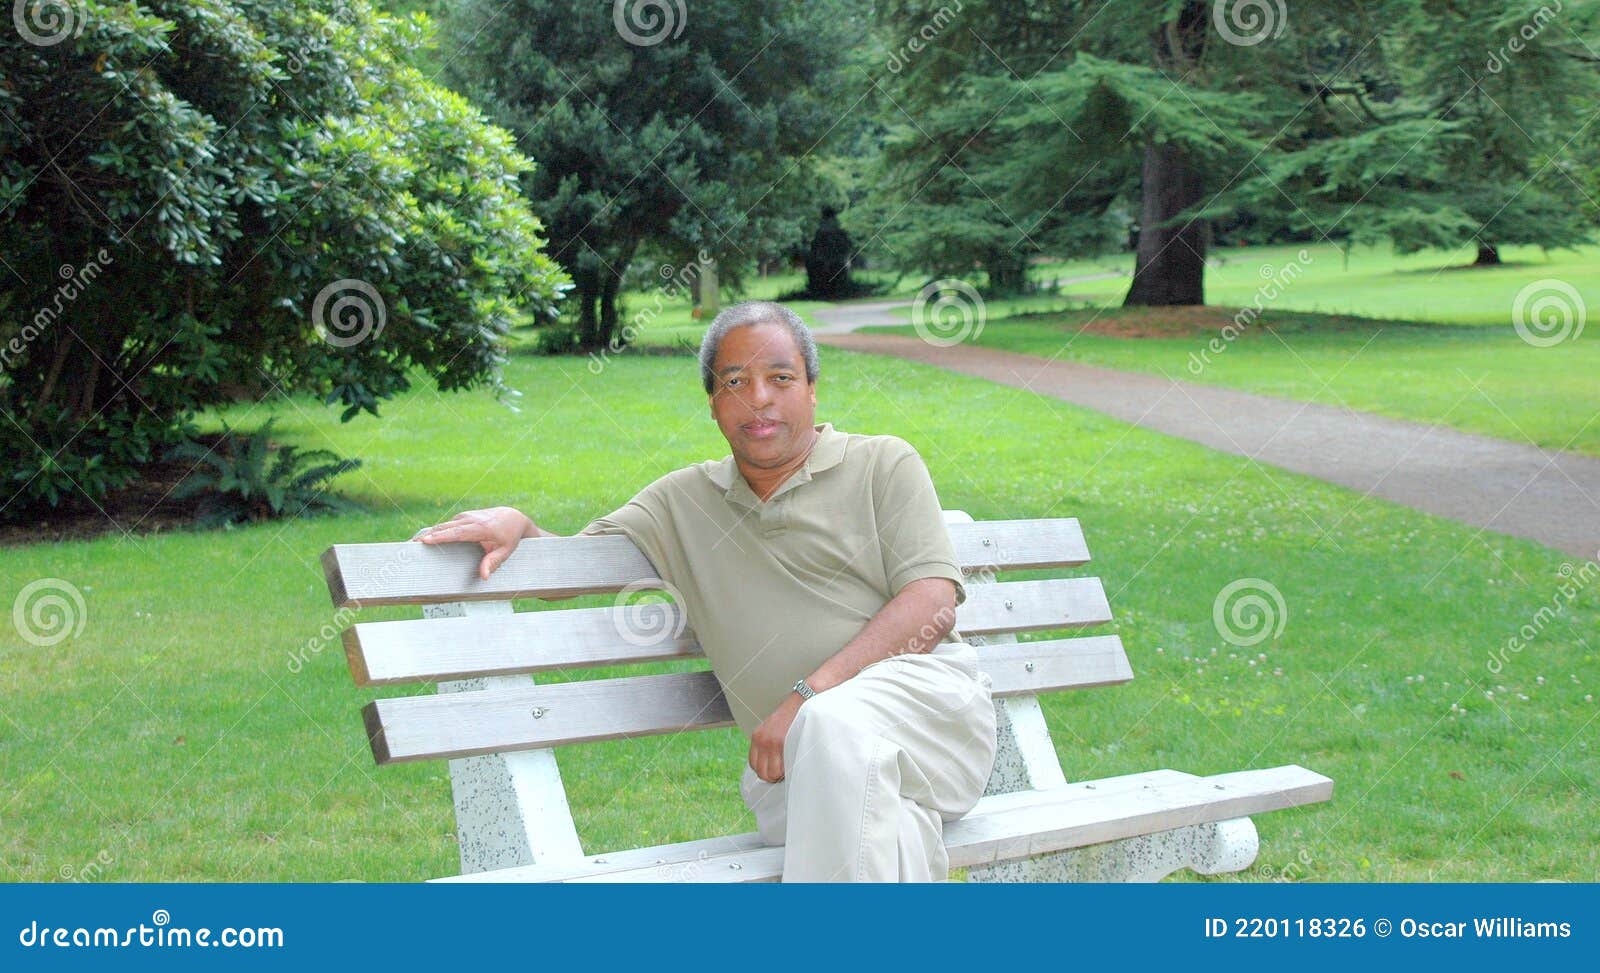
[{"x": 826, "y": 730}]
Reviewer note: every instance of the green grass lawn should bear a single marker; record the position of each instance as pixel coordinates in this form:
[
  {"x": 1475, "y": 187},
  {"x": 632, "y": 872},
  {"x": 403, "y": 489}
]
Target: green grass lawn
[
  {"x": 173, "y": 740},
  {"x": 1370, "y": 281},
  {"x": 1459, "y": 362}
]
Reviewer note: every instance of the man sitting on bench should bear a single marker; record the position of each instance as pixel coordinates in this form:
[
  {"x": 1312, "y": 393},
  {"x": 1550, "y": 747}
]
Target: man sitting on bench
[{"x": 816, "y": 571}]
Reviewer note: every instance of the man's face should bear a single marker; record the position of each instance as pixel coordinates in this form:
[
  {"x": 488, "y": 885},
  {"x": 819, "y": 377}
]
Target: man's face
[{"x": 761, "y": 400}]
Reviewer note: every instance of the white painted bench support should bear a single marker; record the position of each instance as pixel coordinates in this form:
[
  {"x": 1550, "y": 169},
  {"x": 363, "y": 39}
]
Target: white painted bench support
[
  {"x": 511, "y": 808},
  {"x": 1026, "y": 760}
]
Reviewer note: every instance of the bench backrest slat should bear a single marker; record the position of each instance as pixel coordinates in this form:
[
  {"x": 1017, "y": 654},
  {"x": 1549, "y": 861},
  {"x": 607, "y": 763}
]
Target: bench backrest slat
[
  {"x": 416, "y": 650},
  {"x": 408, "y": 573},
  {"x": 538, "y": 716}
]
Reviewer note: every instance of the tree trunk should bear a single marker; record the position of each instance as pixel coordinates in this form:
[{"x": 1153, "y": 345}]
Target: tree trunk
[
  {"x": 1488, "y": 256},
  {"x": 1171, "y": 263},
  {"x": 1008, "y": 274},
  {"x": 1170, "y": 267},
  {"x": 612, "y": 283},
  {"x": 586, "y": 287}
]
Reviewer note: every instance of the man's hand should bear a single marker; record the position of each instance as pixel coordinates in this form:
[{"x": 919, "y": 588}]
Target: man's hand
[
  {"x": 766, "y": 743},
  {"x": 498, "y": 529}
]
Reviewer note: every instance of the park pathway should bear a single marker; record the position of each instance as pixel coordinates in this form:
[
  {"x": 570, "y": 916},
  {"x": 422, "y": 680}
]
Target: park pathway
[{"x": 1546, "y": 495}]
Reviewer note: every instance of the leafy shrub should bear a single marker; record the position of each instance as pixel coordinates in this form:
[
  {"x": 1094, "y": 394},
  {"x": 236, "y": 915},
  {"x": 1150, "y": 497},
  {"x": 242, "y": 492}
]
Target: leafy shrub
[
  {"x": 199, "y": 195},
  {"x": 244, "y": 477}
]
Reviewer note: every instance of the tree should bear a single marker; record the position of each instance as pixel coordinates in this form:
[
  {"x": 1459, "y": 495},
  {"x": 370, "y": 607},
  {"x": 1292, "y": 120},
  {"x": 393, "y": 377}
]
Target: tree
[
  {"x": 676, "y": 128},
  {"x": 1467, "y": 129},
  {"x": 947, "y": 187},
  {"x": 1035, "y": 128},
  {"x": 204, "y": 197}
]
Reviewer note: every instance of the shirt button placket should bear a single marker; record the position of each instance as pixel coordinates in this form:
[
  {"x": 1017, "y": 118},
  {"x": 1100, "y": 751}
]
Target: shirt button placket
[{"x": 775, "y": 516}]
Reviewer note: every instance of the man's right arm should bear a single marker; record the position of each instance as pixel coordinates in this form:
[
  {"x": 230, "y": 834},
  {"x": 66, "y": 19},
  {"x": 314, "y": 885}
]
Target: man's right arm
[
  {"x": 500, "y": 529},
  {"x": 497, "y": 529}
]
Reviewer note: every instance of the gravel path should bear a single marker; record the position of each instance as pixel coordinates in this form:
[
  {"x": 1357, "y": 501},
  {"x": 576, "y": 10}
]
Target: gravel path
[{"x": 1545, "y": 495}]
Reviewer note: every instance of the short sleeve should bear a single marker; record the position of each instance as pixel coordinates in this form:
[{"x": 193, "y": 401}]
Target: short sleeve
[
  {"x": 911, "y": 529},
  {"x": 641, "y": 520}
]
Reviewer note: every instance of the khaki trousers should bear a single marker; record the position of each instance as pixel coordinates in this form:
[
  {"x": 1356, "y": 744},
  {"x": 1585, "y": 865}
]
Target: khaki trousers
[{"x": 874, "y": 767}]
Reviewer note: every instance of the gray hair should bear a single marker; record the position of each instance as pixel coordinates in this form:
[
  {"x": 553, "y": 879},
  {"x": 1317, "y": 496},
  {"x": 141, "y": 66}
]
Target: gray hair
[{"x": 755, "y": 312}]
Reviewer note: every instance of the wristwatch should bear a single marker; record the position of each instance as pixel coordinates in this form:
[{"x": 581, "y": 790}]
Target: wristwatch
[{"x": 805, "y": 691}]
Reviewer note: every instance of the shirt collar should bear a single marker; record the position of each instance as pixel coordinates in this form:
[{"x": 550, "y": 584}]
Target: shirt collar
[{"x": 826, "y": 453}]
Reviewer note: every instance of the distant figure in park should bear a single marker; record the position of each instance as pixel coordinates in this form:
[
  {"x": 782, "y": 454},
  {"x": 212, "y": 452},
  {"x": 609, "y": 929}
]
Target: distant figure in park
[
  {"x": 818, "y": 575},
  {"x": 828, "y": 260}
]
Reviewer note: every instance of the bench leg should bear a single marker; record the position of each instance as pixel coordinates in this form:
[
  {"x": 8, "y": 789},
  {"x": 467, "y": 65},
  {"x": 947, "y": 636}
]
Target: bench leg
[
  {"x": 511, "y": 808},
  {"x": 1026, "y": 759}
]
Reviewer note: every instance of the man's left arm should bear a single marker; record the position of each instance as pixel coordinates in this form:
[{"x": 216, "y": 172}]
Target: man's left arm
[
  {"x": 920, "y": 565},
  {"x": 915, "y": 620}
]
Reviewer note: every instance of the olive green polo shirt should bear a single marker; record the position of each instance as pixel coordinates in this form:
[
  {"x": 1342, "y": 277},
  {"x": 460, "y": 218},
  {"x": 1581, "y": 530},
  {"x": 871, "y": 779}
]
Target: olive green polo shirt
[{"x": 773, "y": 589}]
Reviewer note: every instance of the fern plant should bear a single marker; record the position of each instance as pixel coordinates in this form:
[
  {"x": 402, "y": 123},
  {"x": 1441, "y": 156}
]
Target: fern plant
[{"x": 243, "y": 478}]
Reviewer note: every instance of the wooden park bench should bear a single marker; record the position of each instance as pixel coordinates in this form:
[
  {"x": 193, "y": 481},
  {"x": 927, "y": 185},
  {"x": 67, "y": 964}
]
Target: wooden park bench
[{"x": 500, "y": 729}]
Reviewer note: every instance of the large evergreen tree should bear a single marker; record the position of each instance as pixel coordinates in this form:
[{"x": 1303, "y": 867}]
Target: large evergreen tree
[
  {"x": 1028, "y": 127},
  {"x": 1437, "y": 125},
  {"x": 682, "y": 128}
]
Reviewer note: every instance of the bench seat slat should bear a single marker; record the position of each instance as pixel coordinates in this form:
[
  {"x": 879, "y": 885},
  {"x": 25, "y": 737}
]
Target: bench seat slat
[
  {"x": 502, "y": 720},
  {"x": 700, "y": 849},
  {"x": 1002, "y": 828},
  {"x": 418, "y": 650},
  {"x": 408, "y": 573}
]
